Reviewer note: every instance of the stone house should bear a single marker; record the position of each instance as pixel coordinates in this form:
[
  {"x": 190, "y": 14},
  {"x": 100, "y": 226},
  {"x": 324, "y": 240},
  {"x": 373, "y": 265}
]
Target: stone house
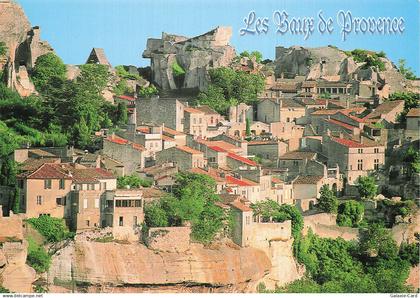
[
  {"x": 306, "y": 190},
  {"x": 248, "y": 189},
  {"x": 179, "y": 138},
  {"x": 282, "y": 192},
  {"x": 54, "y": 189},
  {"x": 279, "y": 110},
  {"x": 185, "y": 157},
  {"x": 195, "y": 122},
  {"x": 235, "y": 161},
  {"x": 122, "y": 209},
  {"x": 132, "y": 156},
  {"x": 167, "y": 111},
  {"x": 211, "y": 117},
  {"x": 354, "y": 158},
  {"x": 413, "y": 123},
  {"x": 288, "y": 132},
  {"x": 270, "y": 149},
  {"x": 295, "y": 161},
  {"x": 389, "y": 110}
]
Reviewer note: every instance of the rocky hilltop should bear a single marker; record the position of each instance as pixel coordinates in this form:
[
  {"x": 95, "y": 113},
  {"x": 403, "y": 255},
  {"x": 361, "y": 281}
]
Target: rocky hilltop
[
  {"x": 195, "y": 56},
  {"x": 332, "y": 64},
  {"x": 23, "y": 44},
  {"x": 223, "y": 267}
]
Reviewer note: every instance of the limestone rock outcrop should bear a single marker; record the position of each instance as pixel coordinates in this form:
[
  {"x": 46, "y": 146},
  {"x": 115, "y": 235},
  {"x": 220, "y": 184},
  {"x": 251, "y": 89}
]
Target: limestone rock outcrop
[
  {"x": 333, "y": 64},
  {"x": 135, "y": 265},
  {"x": 194, "y": 55},
  {"x": 23, "y": 44}
]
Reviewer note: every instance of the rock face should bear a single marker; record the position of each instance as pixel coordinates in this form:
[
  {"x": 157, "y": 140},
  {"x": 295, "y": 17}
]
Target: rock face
[
  {"x": 195, "y": 55},
  {"x": 15, "y": 275},
  {"x": 135, "y": 265},
  {"x": 23, "y": 47},
  {"x": 332, "y": 64}
]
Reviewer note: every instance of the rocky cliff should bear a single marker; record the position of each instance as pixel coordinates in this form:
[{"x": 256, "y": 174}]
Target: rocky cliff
[
  {"x": 224, "y": 267},
  {"x": 194, "y": 55},
  {"x": 333, "y": 64},
  {"x": 23, "y": 44}
]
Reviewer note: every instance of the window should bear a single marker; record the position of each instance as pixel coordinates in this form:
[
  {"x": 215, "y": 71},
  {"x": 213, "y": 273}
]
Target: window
[
  {"x": 61, "y": 184},
  {"x": 200, "y": 120},
  {"x": 376, "y": 150},
  {"x": 47, "y": 184},
  {"x": 295, "y": 163},
  {"x": 360, "y": 164},
  {"x": 85, "y": 203},
  {"x": 138, "y": 203},
  {"x": 96, "y": 203},
  {"x": 211, "y": 119},
  {"x": 39, "y": 200},
  {"x": 135, "y": 220},
  {"x": 194, "y": 121},
  {"x": 88, "y": 223},
  {"x": 121, "y": 221},
  {"x": 60, "y": 201},
  {"x": 212, "y": 159},
  {"x": 288, "y": 119},
  {"x": 376, "y": 164},
  {"x": 359, "y": 150}
]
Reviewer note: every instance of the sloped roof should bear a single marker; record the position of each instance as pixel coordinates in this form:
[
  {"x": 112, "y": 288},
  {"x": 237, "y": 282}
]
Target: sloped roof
[
  {"x": 241, "y": 159},
  {"x": 97, "y": 55},
  {"x": 295, "y": 155},
  {"x": 307, "y": 179},
  {"x": 415, "y": 112},
  {"x": 206, "y": 110},
  {"x": 385, "y": 108}
]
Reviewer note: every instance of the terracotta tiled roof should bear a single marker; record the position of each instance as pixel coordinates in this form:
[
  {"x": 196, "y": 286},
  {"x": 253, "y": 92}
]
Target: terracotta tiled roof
[
  {"x": 307, "y": 179},
  {"x": 308, "y": 84},
  {"x": 352, "y": 143},
  {"x": 241, "y": 159},
  {"x": 90, "y": 175},
  {"x": 168, "y": 139},
  {"x": 415, "y": 112},
  {"x": 276, "y": 180},
  {"x": 193, "y": 111},
  {"x": 351, "y": 116},
  {"x": 171, "y": 131},
  {"x": 206, "y": 110},
  {"x": 221, "y": 144},
  {"x": 47, "y": 171},
  {"x": 32, "y": 164},
  {"x": 297, "y": 155},
  {"x": 211, "y": 172},
  {"x": 122, "y": 141},
  {"x": 126, "y": 97},
  {"x": 188, "y": 150},
  {"x": 342, "y": 124},
  {"x": 240, "y": 182},
  {"x": 217, "y": 149},
  {"x": 40, "y": 152},
  {"x": 385, "y": 108},
  {"x": 240, "y": 206},
  {"x": 269, "y": 142},
  {"x": 143, "y": 129}
]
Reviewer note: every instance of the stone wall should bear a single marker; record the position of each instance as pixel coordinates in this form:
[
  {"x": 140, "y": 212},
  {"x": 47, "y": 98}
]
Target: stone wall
[
  {"x": 324, "y": 225},
  {"x": 11, "y": 227}
]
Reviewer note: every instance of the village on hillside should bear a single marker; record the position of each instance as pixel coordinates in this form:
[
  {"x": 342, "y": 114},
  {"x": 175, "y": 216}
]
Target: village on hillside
[{"x": 208, "y": 171}]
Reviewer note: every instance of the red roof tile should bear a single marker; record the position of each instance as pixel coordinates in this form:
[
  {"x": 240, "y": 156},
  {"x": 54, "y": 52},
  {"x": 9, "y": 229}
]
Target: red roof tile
[
  {"x": 217, "y": 148},
  {"x": 238, "y": 205},
  {"x": 241, "y": 159},
  {"x": 239, "y": 182},
  {"x": 126, "y": 97},
  {"x": 345, "y": 125},
  {"x": 351, "y": 143},
  {"x": 188, "y": 150}
]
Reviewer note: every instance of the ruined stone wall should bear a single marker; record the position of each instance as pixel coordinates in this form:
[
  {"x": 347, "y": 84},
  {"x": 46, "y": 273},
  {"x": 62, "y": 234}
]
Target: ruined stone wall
[
  {"x": 131, "y": 158},
  {"x": 324, "y": 225},
  {"x": 11, "y": 226}
]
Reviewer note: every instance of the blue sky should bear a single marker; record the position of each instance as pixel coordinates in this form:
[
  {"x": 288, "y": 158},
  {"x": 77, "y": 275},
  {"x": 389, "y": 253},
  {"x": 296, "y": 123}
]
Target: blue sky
[{"x": 122, "y": 27}]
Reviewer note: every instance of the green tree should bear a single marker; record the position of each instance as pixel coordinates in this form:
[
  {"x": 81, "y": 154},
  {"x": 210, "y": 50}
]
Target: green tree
[
  {"x": 407, "y": 72},
  {"x": 16, "y": 201},
  {"x": 327, "y": 201},
  {"x": 367, "y": 187},
  {"x": 47, "y": 67},
  {"x": 410, "y": 252},
  {"x": 37, "y": 257},
  {"x": 304, "y": 285},
  {"x": 82, "y": 134},
  {"x": 155, "y": 215},
  {"x": 350, "y": 213},
  {"x": 133, "y": 181},
  {"x": 248, "y": 127},
  {"x": 148, "y": 91},
  {"x": 177, "y": 69},
  {"x": 231, "y": 87},
  {"x": 377, "y": 241},
  {"x": 93, "y": 78},
  {"x": 124, "y": 74},
  {"x": 411, "y": 100},
  {"x": 52, "y": 228},
  {"x": 412, "y": 156}
]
